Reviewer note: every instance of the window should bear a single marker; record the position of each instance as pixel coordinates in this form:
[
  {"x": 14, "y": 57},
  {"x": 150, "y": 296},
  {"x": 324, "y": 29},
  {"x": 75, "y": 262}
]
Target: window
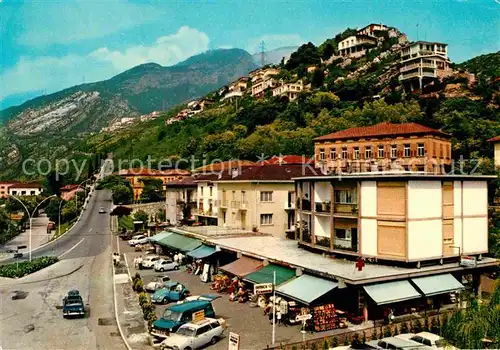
[
  {"x": 344, "y": 153},
  {"x": 344, "y": 196},
  {"x": 407, "y": 151},
  {"x": 233, "y": 197},
  {"x": 333, "y": 153},
  {"x": 201, "y": 191},
  {"x": 32, "y": 193},
  {"x": 420, "y": 150},
  {"x": 14, "y": 193},
  {"x": 394, "y": 151},
  {"x": 342, "y": 233},
  {"x": 243, "y": 196},
  {"x": 266, "y": 219},
  {"x": 322, "y": 154},
  {"x": 381, "y": 151},
  {"x": 266, "y": 196},
  {"x": 356, "y": 152},
  {"x": 211, "y": 188},
  {"x": 368, "y": 153},
  {"x": 203, "y": 329},
  {"x": 23, "y": 193}
]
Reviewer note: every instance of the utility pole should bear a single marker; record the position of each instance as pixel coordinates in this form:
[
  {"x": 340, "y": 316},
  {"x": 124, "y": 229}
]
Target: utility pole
[{"x": 262, "y": 47}]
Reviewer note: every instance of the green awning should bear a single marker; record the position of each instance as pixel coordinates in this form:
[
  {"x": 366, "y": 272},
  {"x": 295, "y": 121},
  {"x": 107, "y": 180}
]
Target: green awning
[
  {"x": 180, "y": 242},
  {"x": 265, "y": 274},
  {"x": 159, "y": 236},
  {"x": 439, "y": 284},
  {"x": 306, "y": 288},
  {"x": 201, "y": 252},
  {"x": 391, "y": 292}
]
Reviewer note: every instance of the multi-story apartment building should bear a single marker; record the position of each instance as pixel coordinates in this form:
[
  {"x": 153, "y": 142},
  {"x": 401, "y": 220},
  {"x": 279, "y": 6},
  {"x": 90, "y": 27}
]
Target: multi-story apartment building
[
  {"x": 181, "y": 200},
  {"x": 290, "y": 90},
  {"x": 262, "y": 79},
  {"x": 356, "y": 45},
  {"x": 207, "y": 211},
  {"x": 407, "y": 217},
  {"x": 236, "y": 89},
  {"x": 256, "y": 198},
  {"x": 424, "y": 61},
  {"x": 496, "y": 144},
  {"x": 373, "y": 29},
  {"x": 384, "y": 146},
  {"x": 136, "y": 175}
]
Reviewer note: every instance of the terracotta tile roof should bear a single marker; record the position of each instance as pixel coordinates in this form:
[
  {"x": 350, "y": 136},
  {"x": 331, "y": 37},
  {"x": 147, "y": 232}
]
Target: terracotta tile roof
[
  {"x": 27, "y": 185},
  {"x": 186, "y": 182},
  {"x": 382, "y": 129},
  {"x": 287, "y": 159},
  {"x": 224, "y": 165},
  {"x": 271, "y": 172},
  {"x": 69, "y": 187},
  {"x": 494, "y": 139},
  {"x": 153, "y": 172}
]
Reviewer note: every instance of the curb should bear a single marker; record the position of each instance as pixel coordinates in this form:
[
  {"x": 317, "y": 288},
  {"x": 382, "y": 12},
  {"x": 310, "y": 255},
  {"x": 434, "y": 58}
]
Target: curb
[
  {"x": 47, "y": 279},
  {"x": 116, "y": 309}
]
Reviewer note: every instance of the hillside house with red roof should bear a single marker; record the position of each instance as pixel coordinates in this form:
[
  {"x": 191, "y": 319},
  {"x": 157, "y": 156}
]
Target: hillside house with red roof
[
  {"x": 25, "y": 189},
  {"x": 384, "y": 146}
]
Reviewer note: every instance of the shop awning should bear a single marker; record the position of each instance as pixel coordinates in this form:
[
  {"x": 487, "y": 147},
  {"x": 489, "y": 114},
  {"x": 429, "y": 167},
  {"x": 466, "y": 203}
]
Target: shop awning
[
  {"x": 201, "y": 252},
  {"x": 243, "y": 266},
  {"x": 439, "y": 284},
  {"x": 180, "y": 242},
  {"x": 306, "y": 288},
  {"x": 392, "y": 292},
  {"x": 159, "y": 236},
  {"x": 265, "y": 274}
]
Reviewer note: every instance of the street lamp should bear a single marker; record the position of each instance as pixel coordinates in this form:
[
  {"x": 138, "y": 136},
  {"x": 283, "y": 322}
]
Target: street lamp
[
  {"x": 85, "y": 189},
  {"x": 30, "y": 215}
]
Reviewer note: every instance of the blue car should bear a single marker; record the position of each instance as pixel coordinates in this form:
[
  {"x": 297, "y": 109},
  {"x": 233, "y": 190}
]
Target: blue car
[{"x": 172, "y": 291}]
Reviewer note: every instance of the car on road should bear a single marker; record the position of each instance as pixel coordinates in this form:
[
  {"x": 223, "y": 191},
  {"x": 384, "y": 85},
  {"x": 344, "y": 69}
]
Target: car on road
[
  {"x": 73, "y": 304},
  {"x": 101, "y": 210},
  {"x": 194, "y": 335},
  {"x": 178, "y": 314},
  {"x": 149, "y": 261},
  {"x": 156, "y": 283},
  {"x": 165, "y": 265},
  {"x": 172, "y": 291},
  {"x": 137, "y": 239},
  {"x": 207, "y": 297}
]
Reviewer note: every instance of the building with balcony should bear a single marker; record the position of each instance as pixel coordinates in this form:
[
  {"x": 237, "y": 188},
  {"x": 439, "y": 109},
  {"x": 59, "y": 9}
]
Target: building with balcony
[
  {"x": 257, "y": 198},
  {"x": 408, "y": 217},
  {"x": 384, "y": 146},
  {"x": 25, "y": 189},
  {"x": 356, "y": 45},
  {"x": 262, "y": 80},
  {"x": 495, "y": 141},
  {"x": 290, "y": 90},
  {"x": 236, "y": 89},
  {"x": 136, "y": 175},
  {"x": 207, "y": 212},
  {"x": 422, "y": 62},
  {"x": 181, "y": 200},
  {"x": 373, "y": 30}
]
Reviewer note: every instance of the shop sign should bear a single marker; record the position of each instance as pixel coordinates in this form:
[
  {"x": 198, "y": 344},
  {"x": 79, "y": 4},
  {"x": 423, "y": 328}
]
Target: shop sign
[
  {"x": 234, "y": 341},
  {"x": 198, "y": 316},
  {"x": 16, "y": 217},
  {"x": 263, "y": 288},
  {"x": 305, "y": 317},
  {"x": 468, "y": 261}
]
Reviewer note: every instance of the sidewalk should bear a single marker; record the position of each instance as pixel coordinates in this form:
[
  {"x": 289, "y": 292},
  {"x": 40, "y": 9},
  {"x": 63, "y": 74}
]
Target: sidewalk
[{"x": 39, "y": 237}]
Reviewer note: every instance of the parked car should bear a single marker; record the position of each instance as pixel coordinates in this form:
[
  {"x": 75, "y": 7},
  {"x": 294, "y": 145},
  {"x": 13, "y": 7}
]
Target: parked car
[
  {"x": 149, "y": 261},
  {"x": 192, "y": 336},
  {"x": 165, "y": 265},
  {"x": 172, "y": 291},
  {"x": 138, "y": 239},
  {"x": 207, "y": 297},
  {"x": 395, "y": 343},
  {"x": 156, "y": 283},
  {"x": 432, "y": 340},
  {"x": 73, "y": 304},
  {"x": 101, "y": 210},
  {"x": 178, "y": 314}
]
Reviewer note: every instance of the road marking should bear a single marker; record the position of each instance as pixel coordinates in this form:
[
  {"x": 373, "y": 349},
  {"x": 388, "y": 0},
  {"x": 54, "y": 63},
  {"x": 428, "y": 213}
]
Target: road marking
[{"x": 66, "y": 252}]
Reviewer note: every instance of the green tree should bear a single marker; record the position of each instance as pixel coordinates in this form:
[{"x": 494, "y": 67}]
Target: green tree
[
  {"x": 318, "y": 78},
  {"x": 52, "y": 208},
  {"x": 141, "y": 215},
  {"x": 69, "y": 211},
  {"x": 152, "y": 191},
  {"x": 306, "y": 54},
  {"x": 122, "y": 194}
]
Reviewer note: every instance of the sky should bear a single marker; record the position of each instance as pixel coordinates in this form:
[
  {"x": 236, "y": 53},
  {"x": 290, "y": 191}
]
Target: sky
[{"x": 49, "y": 45}]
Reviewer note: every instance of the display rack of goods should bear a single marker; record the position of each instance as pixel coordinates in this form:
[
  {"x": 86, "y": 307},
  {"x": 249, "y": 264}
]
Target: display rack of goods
[{"x": 325, "y": 318}]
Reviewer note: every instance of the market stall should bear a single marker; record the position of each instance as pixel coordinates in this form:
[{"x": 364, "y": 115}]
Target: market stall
[{"x": 228, "y": 279}]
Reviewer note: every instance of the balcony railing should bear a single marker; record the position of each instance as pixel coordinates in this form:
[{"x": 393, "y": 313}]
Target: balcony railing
[
  {"x": 323, "y": 241},
  {"x": 323, "y": 207},
  {"x": 346, "y": 208},
  {"x": 240, "y": 205}
]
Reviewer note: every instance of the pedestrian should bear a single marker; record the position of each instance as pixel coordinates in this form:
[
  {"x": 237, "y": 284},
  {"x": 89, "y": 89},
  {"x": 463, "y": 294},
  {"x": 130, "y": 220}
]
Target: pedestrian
[{"x": 278, "y": 317}]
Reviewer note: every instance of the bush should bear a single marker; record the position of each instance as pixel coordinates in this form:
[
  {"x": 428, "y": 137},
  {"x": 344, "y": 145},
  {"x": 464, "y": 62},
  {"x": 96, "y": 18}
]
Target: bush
[
  {"x": 404, "y": 328},
  {"x": 435, "y": 327},
  {"x": 27, "y": 267},
  {"x": 387, "y": 332},
  {"x": 143, "y": 299},
  {"x": 417, "y": 326},
  {"x": 326, "y": 346},
  {"x": 346, "y": 341},
  {"x": 364, "y": 337},
  {"x": 313, "y": 346},
  {"x": 138, "y": 286},
  {"x": 374, "y": 334},
  {"x": 355, "y": 340},
  {"x": 396, "y": 330},
  {"x": 335, "y": 342}
]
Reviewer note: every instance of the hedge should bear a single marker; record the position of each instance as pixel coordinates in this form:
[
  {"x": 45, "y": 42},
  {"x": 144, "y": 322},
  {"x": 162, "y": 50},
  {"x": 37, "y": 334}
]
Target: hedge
[{"x": 27, "y": 267}]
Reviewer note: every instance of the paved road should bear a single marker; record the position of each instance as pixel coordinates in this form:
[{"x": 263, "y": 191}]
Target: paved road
[{"x": 36, "y": 322}]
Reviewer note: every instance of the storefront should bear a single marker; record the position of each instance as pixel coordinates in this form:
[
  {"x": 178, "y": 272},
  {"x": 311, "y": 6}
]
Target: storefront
[{"x": 266, "y": 275}]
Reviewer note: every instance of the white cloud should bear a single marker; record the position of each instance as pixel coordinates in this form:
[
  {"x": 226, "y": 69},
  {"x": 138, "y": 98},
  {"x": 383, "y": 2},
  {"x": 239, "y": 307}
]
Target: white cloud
[
  {"x": 48, "y": 22},
  {"x": 55, "y": 73},
  {"x": 274, "y": 41}
]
